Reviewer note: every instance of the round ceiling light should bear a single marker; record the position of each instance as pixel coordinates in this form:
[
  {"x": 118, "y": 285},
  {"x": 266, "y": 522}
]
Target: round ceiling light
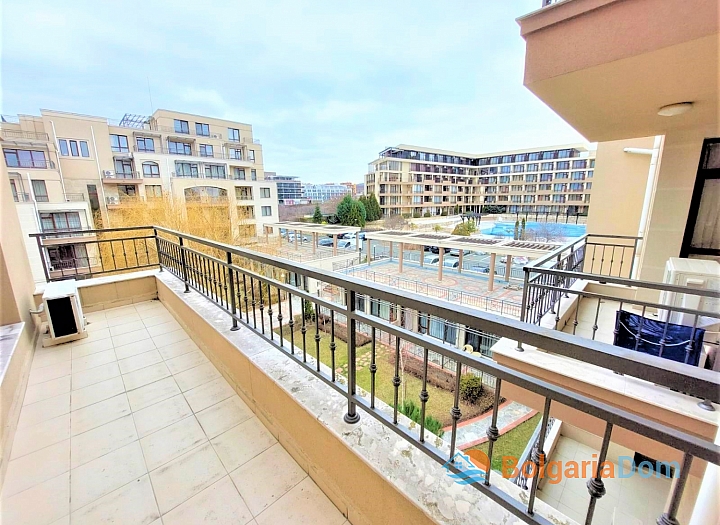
[{"x": 672, "y": 110}]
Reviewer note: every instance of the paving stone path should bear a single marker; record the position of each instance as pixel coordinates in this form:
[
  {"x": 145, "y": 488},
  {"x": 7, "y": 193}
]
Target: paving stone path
[{"x": 474, "y": 432}]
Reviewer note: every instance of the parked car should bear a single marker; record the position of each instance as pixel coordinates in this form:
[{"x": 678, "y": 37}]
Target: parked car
[
  {"x": 325, "y": 242},
  {"x": 301, "y": 237},
  {"x": 348, "y": 244},
  {"x": 456, "y": 253},
  {"x": 447, "y": 263},
  {"x": 435, "y": 249}
]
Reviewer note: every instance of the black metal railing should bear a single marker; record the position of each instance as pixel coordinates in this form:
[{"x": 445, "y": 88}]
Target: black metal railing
[
  {"x": 29, "y": 163},
  {"x": 270, "y": 296}
]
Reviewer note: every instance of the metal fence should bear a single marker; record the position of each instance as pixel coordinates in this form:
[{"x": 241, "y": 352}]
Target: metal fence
[{"x": 249, "y": 288}]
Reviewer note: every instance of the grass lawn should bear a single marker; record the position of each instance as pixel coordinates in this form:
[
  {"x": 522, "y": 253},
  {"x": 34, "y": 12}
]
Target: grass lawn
[
  {"x": 439, "y": 403},
  {"x": 511, "y": 443}
]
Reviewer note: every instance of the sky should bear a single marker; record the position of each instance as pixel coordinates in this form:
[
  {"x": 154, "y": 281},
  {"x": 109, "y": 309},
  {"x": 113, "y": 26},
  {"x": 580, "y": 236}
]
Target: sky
[{"x": 326, "y": 85}]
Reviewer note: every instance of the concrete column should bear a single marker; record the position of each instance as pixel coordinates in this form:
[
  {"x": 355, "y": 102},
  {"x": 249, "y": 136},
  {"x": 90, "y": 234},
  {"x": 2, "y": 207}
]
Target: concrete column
[
  {"x": 422, "y": 256},
  {"x": 706, "y": 508},
  {"x": 358, "y": 242},
  {"x": 296, "y": 240},
  {"x": 390, "y": 254},
  {"x": 460, "y": 261},
  {"x": 314, "y": 241},
  {"x": 368, "y": 254},
  {"x": 400, "y": 257},
  {"x": 334, "y": 238},
  {"x": 491, "y": 279},
  {"x": 267, "y": 230},
  {"x": 441, "y": 252},
  {"x": 508, "y": 264}
]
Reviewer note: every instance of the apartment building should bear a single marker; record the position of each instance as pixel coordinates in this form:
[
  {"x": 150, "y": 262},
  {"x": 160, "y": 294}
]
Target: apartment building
[
  {"x": 78, "y": 171},
  {"x": 415, "y": 181},
  {"x": 289, "y": 189},
  {"x": 325, "y": 192}
]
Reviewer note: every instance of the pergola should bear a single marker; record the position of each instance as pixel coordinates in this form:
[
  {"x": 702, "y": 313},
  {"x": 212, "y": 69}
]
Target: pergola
[
  {"x": 333, "y": 230},
  {"x": 504, "y": 247}
]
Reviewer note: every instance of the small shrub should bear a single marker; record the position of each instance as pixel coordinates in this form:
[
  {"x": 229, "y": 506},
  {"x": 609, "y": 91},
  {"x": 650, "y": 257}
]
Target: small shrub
[
  {"x": 443, "y": 213},
  {"x": 427, "y": 214},
  {"x": 411, "y": 410},
  {"x": 405, "y": 215},
  {"x": 471, "y": 388},
  {"x": 416, "y": 215},
  {"x": 309, "y": 311}
]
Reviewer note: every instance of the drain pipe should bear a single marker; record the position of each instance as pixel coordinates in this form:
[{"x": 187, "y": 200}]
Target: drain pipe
[
  {"x": 649, "y": 194},
  {"x": 102, "y": 187},
  {"x": 57, "y": 149}
]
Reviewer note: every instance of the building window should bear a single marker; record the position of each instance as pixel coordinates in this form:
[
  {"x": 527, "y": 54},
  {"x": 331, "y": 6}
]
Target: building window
[
  {"x": 153, "y": 191},
  {"x": 235, "y": 153},
  {"x": 119, "y": 143},
  {"x": 185, "y": 169},
  {"x": 561, "y": 175},
  {"x": 181, "y": 126},
  {"x": 564, "y": 154},
  {"x": 179, "y": 148},
  {"x": 215, "y": 171},
  {"x": 239, "y": 173},
  {"x": 127, "y": 190},
  {"x": 40, "y": 191},
  {"x": 579, "y": 164},
  {"x": 14, "y": 191},
  {"x": 253, "y": 174},
  {"x": 265, "y": 193},
  {"x": 563, "y": 165},
  {"x": 251, "y": 155},
  {"x": 123, "y": 168},
  {"x": 60, "y": 221},
  {"x": 76, "y": 148},
  {"x": 533, "y": 167},
  {"x": 548, "y": 155},
  {"x": 266, "y": 211},
  {"x": 592, "y": 163},
  {"x": 18, "y": 158},
  {"x": 233, "y": 135},
  {"x": 206, "y": 150},
  {"x": 145, "y": 144},
  {"x": 504, "y": 169},
  {"x": 151, "y": 169},
  {"x": 202, "y": 129}
]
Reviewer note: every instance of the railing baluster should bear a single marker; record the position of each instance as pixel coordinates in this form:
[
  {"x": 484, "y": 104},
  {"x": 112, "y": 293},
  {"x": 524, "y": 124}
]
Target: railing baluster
[
  {"x": 538, "y": 456},
  {"x": 373, "y": 367},
  {"x": 317, "y": 337},
  {"x": 233, "y": 294},
  {"x": 455, "y": 412},
  {"x": 691, "y": 344},
  {"x": 262, "y": 307},
  {"x": 280, "y": 317},
  {"x": 184, "y": 267},
  {"x": 332, "y": 343},
  {"x": 396, "y": 380},
  {"x": 291, "y": 321},
  {"x": 303, "y": 328},
  {"x": 492, "y": 432},
  {"x": 424, "y": 396},
  {"x": 640, "y": 327},
  {"x": 352, "y": 416},
  {"x": 595, "y": 485},
  {"x": 597, "y": 316},
  {"x": 270, "y": 312},
  {"x": 669, "y": 517},
  {"x": 577, "y": 310}
]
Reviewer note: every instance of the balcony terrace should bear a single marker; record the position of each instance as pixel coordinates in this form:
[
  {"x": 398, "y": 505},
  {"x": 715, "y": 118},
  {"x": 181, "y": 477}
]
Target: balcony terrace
[{"x": 130, "y": 429}]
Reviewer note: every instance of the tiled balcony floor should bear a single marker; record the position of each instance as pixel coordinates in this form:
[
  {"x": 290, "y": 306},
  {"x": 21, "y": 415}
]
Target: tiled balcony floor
[{"x": 133, "y": 425}]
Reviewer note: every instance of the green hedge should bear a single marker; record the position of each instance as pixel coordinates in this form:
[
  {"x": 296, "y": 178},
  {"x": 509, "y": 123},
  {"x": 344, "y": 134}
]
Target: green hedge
[{"x": 411, "y": 410}]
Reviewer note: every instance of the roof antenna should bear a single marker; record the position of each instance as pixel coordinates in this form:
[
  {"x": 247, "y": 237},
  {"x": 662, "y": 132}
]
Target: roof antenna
[{"x": 150, "y": 96}]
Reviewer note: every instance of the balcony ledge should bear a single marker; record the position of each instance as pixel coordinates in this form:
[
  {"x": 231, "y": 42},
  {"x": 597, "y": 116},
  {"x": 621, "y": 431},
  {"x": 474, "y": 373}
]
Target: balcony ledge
[{"x": 417, "y": 479}]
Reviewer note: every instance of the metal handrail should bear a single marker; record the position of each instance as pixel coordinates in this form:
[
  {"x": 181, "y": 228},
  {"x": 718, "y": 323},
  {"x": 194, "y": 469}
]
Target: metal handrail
[
  {"x": 21, "y": 134},
  {"x": 218, "y": 276}
]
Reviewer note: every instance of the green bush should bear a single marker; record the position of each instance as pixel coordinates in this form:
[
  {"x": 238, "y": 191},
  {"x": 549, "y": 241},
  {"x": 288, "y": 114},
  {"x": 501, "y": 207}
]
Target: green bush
[
  {"x": 405, "y": 215},
  {"x": 471, "y": 388},
  {"x": 416, "y": 215},
  {"x": 308, "y": 311},
  {"x": 427, "y": 214},
  {"x": 411, "y": 410},
  {"x": 443, "y": 213}
]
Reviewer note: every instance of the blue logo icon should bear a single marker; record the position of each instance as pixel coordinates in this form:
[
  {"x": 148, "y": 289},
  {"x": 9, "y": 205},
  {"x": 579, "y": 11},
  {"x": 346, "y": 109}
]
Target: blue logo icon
[{"x": 463, "y": 470}]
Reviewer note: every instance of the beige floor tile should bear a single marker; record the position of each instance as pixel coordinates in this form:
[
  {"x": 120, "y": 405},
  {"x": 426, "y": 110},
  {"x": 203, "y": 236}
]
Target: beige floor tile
[
  {"x": 95, "y": 375},
  {"x": 164, "y": 328},
  {"x": 32, "y": 469},
  {"x": 304, "y": 504},
  {"x": 95, "y": 335},
  {"x": 260, "y": 490},
  {"x": 131, "y": 504},
  {"x": 145, "y": 376},
  {"x": 96, "y": 393},
  {"x": 92, "y": 347},
  {"x": 196, "y": 376},
  {"x": 147, "y": 307},
  {"x": 23, "y": 508},
  {"x": 156, "y": 318},
  {"x": 129, "y": 319},
  {"x": 44, "y": 410},
  {"x": 172, "y": 441},
  {"x": 161, "y": 415},
  {"x": 124, "y": 328},
  {"x": 62, "y": 521},
  {"x": 177, "y": 349},
  {"x": 186, "y": 361},
  {"x": 58, "y": 356},
  {"x": 206, "y": 395},
  {"x": 139, "y": 347},
  {"x": 121, "y": 311},
  {"x": 93, "y": 361},
  {"x": 219, "y": 504},
  {"x": 48, "y": 373},
  {"x": 39, "y": 436},
  {"x": 131, "y": 337},
  {"x": 99, "y": 441},
  {"x": 98, "y": 324},
  {"x": 170, "y": 338},
  {"x": 99, "y": 414},
  {"x": 223, "y": 416},
  {"x": 153, "y": 393},
  {"x": 242, "y": 443},
  {"x": 136, "y": 362},
  {"x": 46, "y": 390},
  {"x": 95, "y": 316},
  {"x": 186, "y": 476},
  {"x": 105, "y": 474},
  {"x": 572, "y": 513}
]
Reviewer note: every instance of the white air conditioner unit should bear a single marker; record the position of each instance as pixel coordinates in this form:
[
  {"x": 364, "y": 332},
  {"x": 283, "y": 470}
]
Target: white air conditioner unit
[
  {"x": 216, "y": 136},
  {"x": 113, "y": 200},
  {"x": 64, "y": 313},
  {"x": 109, "y": 173},
  {"x": 700, "y": 274}
]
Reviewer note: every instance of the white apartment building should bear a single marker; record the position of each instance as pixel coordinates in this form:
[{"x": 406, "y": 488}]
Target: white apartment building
[{"x": 325, "y": 192}]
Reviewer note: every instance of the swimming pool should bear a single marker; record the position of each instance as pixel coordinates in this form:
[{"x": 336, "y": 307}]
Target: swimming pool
[{"x": 507, "y": 229}]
